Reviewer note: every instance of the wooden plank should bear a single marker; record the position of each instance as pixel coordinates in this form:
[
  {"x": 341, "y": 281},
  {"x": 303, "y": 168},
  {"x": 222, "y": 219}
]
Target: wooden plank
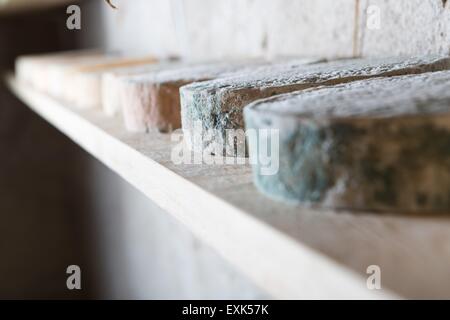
[
  {"x": 379, "y": 144},
  {"x": 287, "y": 251}
]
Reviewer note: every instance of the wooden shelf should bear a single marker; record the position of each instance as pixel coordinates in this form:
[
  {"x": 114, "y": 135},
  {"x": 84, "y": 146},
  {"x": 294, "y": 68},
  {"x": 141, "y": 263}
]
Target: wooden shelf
[{"x": 289, "y": 251}]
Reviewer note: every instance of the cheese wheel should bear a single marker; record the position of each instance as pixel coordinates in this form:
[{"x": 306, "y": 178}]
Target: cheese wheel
[
  {"x": 217, "y": 105},
  {"x": 380, "y": 144}
]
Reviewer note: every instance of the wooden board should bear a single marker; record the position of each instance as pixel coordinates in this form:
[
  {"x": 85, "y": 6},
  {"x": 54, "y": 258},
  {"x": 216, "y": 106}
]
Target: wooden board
[{"x": 288, "y": 251}]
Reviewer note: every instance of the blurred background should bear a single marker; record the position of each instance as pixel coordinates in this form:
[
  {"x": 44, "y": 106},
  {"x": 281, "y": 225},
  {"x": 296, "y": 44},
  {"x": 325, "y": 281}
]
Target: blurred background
[{"x": 59, "y": 206}]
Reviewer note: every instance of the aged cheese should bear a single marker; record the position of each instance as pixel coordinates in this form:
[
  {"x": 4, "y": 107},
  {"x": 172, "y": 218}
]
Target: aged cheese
[
  {"x": 60, "y": 74},
  {"x": 153, "y": 100},
  {"x": 380, "y": 144},
  {"x": 111, "y": 83},
  {"x": 33, "y": 69},
  {"x": 83, "y": 85},
  {"x": 213, "y": 107}
]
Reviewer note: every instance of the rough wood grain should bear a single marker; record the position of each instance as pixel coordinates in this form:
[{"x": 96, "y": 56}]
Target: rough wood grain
[
  {"x": 217, "y": 105},
  {"x": 380, "y": 144}
]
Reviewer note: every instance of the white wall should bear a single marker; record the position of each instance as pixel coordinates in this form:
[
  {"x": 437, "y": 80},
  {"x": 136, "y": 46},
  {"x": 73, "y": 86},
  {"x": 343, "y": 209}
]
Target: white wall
[{"x": 332, "y": 28}]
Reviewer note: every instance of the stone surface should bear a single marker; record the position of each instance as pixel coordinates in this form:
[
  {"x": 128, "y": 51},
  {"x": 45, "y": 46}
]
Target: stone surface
[
  {"x": 211, "y": 108},
  {"x": 153, "y": 100},
  {"x": 235, "y": 28},
  {"x": 111, "y": 82},
  {"x": 309, "y": 27},
  {"x": 242, "y": 28},
  {"x": 377, "y": 144}
]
